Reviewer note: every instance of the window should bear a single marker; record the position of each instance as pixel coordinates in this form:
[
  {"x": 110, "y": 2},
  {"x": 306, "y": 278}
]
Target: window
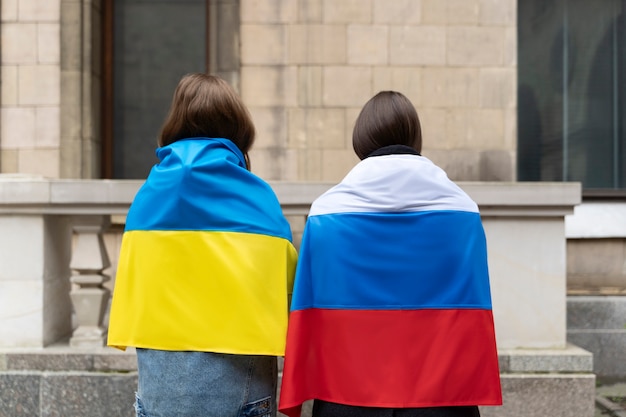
[
  {"x": 149, "y": 45},
  {"x": 572, "y": 93}
]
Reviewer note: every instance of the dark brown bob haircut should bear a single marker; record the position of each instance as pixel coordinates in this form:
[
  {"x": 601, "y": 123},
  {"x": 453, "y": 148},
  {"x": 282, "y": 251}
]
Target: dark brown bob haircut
[
  {"x": 388, "y": 118},
  {"x": 207, "y": 106}
]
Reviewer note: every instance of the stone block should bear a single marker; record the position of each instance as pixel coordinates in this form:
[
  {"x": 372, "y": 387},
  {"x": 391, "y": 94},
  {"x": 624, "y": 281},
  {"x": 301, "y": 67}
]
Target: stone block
[
  {"x": 498, "y": 88},
  {"x": 48, "y": 44},
  {"x": 310, "y": 86},
  {"x": 57, "y": 308},
  {"x": 449, "y": 87},
  {"x": 40, "y": 11},
  {"x": 8, "y": 10},
  {"x": 351, "y": 115},
  {"x": 457, "y": 128},
  {"x": 460, "y": 165},
  {"x": 72, "y": 36},
  {"x": 317, "y": 44},
  {"x": 44, "y": 162},
  {"x": 596, "y": 313},
  {"x": 346, "y": 86},
  {"x": 8, "y": 161},
  {"x": 462, "y": 12},
  {"x": 21, "y": 242},
  {"x": 434, "y": 12},
  {"x": 71, "y": 82},
  {"x": 337, "y": 163},
  {"x": 309, "y": 165},
  {"x": 398, "y": 12},
  {"x": 609, "y": 350},
  {"x": 39, "y": 85},
  {"x": 273, "y": 164},
  {"x": 510, "y": 46},
  {"x": 406, "y": 80},
  {"x": 555, "y": 395},
  {"x": 263, "y": 44},
  {"x": 310, "y": 11},
  {"x": 571, "y": 359},
  {"x": 116, "y": 361},
  {"x": 498, "y": 12},
  {"x": 417, "y": 45},
  {"x": 276, "y": 11},
  {"x": 347, "y": 11},
  {"x": 528, "y": 303},
  {"x": 496, "y": 166},
  {"x": 510, "y": 130},
  {"x": 17, "y": 127},
  {"x": 19, "y": 43},
  {"x": 462, "y": 87},
  {"x": 597, "y": 262},
  {"x": 466, "y": 46},
  {"x": 433, "y": 123},
  {"x": 368, "y": 44},
  {"x": 486, "y": 129},
  {"x": 271, "y": 126},
  {"x": 434, "y": 86},
  {"x": 48, "y": 361},
  {"x": 9, "y": 85},
  {"x": 98, "y": 394},
  {"x": 317, "y": 128},
  {"x": 60, "y": 357},
  {"x": 19, "y": 394},
  {"x": 269, "y": 86},
  {"x": 47, "y": 126}
]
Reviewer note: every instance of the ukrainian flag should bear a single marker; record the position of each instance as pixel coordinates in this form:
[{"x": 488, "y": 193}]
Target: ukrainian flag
[
  {"x": 392, "y": 305},
  {"x": 206, "y": 260}
]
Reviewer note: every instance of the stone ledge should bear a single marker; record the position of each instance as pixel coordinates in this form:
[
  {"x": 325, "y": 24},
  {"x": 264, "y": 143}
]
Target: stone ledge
[
  {"x": 64, "y": 358},
  {"x": 567, "y": 360}
]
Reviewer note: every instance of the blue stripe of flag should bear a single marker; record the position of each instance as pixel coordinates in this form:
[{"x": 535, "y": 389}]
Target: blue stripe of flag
[
  {"x": 208, "y": 189},
  {"x": 433, "y": 259}
]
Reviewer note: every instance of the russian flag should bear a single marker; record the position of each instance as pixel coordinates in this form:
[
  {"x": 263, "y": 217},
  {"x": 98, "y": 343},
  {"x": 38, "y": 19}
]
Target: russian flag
[
  {"x": 391, "y": 304},
  {"x": 206, "y": 260}
]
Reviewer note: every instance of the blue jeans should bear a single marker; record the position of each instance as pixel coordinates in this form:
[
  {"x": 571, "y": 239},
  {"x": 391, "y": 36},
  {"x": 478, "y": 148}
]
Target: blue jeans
[{"x": 203, "y": 384}]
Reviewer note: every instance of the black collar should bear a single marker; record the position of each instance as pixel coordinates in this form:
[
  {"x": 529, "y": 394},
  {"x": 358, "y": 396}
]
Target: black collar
[{"x": 394, "y": 149}]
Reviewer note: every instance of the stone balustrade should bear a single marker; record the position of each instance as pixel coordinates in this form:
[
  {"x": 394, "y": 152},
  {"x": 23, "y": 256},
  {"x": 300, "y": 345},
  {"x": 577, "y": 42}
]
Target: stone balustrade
[
  {"x": 52, "y": 256},
  {"x": 53, "y": 292}
]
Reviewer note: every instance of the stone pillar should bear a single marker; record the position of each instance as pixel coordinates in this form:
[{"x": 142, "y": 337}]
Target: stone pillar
[
  {"x": 35, "y": 309},
  {"x": 89, "y": 297}
]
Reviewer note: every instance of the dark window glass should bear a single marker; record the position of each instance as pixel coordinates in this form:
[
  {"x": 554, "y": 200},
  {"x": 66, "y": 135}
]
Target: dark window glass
[
  {"x": 155, "y": 43},
  {"x": 572, "y": 92}
]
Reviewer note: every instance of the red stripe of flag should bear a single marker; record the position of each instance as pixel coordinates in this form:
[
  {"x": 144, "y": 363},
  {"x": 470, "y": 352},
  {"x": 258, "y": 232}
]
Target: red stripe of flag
[{"x": 391, "y": 358}]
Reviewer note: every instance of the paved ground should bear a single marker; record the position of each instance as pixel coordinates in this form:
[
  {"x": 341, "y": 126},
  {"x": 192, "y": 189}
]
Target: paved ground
[{"x": 611, "y": 399}]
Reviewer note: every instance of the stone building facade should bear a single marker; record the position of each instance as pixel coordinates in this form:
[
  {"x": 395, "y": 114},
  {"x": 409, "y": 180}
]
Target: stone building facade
[{"x": 304, "y": 68}]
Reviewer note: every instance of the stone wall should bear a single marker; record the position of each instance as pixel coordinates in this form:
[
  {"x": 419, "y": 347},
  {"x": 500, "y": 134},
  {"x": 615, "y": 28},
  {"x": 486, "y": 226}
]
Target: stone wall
[
  {"x": 309, "y": 66},
  {"x": 30, "y": 109},
  {"x": 50, "y": 82}
]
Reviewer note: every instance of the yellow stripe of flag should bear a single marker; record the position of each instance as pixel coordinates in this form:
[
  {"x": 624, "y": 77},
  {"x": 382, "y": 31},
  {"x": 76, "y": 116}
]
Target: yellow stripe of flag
[{"x": 202, "y": 291}]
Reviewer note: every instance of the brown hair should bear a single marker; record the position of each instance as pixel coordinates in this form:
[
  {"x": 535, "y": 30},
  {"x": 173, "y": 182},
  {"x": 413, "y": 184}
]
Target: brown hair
[
  {"x": 388, "y": 118},
  {"x": 207, "y": 106}
]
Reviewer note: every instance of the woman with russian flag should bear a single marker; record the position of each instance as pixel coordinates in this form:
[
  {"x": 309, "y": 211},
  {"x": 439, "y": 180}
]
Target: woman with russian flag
[
  {"x": 391, "y": 311},
  {"x": 205, "y": 267}
]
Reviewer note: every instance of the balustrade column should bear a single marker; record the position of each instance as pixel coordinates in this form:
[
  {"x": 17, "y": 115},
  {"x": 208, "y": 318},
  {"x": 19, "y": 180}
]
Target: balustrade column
[{"x": 89, "y": 297}]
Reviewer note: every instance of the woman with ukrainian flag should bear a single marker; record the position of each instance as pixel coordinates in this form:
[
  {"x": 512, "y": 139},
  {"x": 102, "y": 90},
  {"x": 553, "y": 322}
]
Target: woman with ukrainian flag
[
  {"x": 205, "y": 267},
  {"x": 391, "y": 311}
]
